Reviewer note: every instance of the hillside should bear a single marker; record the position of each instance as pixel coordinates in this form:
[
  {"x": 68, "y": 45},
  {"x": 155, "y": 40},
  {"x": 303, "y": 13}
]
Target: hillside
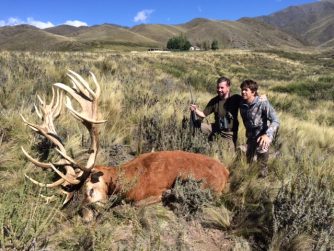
[
  {"x": 244, "y": 33},
  {"x": 65, "y": 30},
  {"x": 158, "y": 32},
  {"x": 113, "y": 34},
  {"x": 25, "y": 37},
  {"x": 313, "y": 22}
]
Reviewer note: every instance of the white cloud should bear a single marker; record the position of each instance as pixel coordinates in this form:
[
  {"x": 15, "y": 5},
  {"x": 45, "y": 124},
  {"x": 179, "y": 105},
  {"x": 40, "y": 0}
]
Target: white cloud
[
  {"x": 39, "y": 24},
  {"x": 12, "y": 21},
  {"x": 75, "y": 23},
  {"x": 199, "y": 8},
  {"x": 16, "y": 21},
  {"x": 143, "y": 16}
]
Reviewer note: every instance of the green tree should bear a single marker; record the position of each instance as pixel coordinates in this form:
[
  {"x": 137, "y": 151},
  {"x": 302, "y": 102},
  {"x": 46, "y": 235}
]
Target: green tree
[
  {"x": 178, "y": 43},
  {"x": 214, "y": 45}
]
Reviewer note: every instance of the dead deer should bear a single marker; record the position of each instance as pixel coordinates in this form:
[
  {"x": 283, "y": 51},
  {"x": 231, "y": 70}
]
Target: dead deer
[{"x": 142, "y": 180}]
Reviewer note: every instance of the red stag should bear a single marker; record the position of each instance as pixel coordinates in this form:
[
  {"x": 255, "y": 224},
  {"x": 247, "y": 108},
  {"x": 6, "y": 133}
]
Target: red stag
[{"x": 142, "y": 180}]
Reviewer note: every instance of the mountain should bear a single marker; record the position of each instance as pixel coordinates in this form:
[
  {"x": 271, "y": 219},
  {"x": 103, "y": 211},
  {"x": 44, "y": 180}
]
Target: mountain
[
  {"x": 294, "y": 27},
  {"x": 64, "y": 37},
  {"x": 26, "y": 37},
  {"x": 313, "y": 23},
  {"x": 107, "y": 33},
  {"x": 158, "y": 32},
  {"x": 245, "y": 33},
  {"x": 65, "y": 30}
]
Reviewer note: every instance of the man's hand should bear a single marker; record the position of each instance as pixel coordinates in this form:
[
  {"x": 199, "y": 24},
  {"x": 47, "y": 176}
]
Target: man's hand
[
  {"x": 263, "y": 97},
  {"x": 264, "y": 141},
  {"x": 193, "y": 107}
]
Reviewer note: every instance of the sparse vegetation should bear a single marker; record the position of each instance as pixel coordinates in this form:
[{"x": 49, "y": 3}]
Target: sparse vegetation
[
  {"x": 145, "y": 99},
  {"x": 187, "y": 198}
]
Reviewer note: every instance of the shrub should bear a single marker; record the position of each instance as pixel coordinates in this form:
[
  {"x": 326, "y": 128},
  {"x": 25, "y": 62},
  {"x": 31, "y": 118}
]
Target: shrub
[
  {"x": 305, "y": 207},
  {"x": 154, "y": 133},
  {"x": 312, "y": 91},
  {"x": 187, "y": 197},
  {"x": 214, "y": 45}
]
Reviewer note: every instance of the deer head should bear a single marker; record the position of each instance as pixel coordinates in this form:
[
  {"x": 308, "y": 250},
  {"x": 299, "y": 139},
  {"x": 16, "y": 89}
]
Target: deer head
[{"x": 71, "y": 174}]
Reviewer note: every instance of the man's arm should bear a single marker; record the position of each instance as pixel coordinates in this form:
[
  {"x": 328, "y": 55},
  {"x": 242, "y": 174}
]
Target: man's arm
[
  {"x": 266, "y": 139},
  {"x": 274, "y": 121},
  {"x": 198, "y": 112}
]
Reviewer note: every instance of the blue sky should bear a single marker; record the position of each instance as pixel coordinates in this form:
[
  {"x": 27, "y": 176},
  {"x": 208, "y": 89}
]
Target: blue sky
[{"x": 50, "y": 13}]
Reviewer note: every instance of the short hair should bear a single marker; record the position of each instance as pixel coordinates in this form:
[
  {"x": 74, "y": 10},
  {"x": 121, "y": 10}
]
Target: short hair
[
  {"x": 252, "y": 85},
  {"x": 224, "y": 79}
]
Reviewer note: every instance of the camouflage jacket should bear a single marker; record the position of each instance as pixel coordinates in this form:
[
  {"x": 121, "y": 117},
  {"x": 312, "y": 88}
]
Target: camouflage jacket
[{"x": 256, "y": 117}]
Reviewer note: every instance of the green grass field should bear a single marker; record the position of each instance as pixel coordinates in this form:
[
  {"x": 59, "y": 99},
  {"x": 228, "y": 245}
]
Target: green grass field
[{"x": 145, "y": 96}]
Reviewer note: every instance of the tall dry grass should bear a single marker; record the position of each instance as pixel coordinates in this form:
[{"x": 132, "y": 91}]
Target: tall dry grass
[{"x": 144, "y": 98}]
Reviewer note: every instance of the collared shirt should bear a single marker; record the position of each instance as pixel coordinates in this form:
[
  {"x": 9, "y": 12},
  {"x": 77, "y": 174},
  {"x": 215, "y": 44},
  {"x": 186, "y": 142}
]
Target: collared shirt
[{"x": 256, "y": 117}]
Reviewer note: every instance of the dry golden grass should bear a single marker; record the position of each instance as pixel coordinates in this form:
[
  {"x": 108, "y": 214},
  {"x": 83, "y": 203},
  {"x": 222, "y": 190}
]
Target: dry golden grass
[{"x": 154, "y": 86}]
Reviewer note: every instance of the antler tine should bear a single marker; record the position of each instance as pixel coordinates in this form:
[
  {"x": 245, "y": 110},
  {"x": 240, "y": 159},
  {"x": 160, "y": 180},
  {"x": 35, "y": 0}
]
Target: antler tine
[
  {"x": 58, "y": 105},
  {"x": 67, "y": 178},
  {"x": 53, "y": 97},
  {"x": 82, "y": 84},
  {"x": 81, "y": 116},
  {"x": 69, "y": 196},
  {"x": 98, "y": 88},
  {"x": 42, "y": 101},
  {"x": 32, "y": 126},
  {"x": 54, "y": 184},
  {"x": 38, "y": 112},
  {"x": 34, "y": 161}
]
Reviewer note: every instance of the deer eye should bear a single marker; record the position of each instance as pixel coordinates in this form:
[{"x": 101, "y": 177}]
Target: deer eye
[{"x": 91, "y": 192}]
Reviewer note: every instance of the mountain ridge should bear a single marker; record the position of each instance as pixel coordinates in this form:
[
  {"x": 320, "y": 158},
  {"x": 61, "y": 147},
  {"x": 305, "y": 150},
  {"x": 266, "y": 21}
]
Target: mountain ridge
[
  {"x": 291, "y": 28},
  {"x": 313, "y": 23}
]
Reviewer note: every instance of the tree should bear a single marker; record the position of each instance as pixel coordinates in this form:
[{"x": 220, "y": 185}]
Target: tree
[
  {"x": 214, "y": 45},
  {"x": 178, "y": 43},
  {"x": 206, "y": 45}
]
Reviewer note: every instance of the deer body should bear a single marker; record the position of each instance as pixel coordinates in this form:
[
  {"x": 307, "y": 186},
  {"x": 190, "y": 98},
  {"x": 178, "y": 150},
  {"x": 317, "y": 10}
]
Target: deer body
[
  {"x": 147, "y": 177},
  {"x": 142, "y": 180}
]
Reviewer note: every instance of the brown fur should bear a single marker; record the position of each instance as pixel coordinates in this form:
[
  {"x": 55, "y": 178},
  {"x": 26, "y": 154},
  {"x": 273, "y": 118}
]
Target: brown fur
[{"x": 144, "y": 179}]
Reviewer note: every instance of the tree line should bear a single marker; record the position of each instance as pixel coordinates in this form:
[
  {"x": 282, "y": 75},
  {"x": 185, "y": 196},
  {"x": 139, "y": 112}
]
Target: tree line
[{"x": 181, "y": 43}]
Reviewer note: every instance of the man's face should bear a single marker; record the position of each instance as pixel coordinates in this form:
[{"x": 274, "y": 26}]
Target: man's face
[
  {"x": 247, "y": 94},
  {"x": 223, "y": 89}
]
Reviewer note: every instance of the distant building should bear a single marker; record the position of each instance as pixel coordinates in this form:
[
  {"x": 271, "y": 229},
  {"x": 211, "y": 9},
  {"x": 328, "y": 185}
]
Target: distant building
[
  {"x": 157, "y": 50},
  {"x": 194, "y": 48}
]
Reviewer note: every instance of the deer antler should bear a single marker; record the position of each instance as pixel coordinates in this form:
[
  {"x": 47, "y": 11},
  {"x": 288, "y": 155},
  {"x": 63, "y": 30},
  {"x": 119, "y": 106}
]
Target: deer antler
[{"x": 88, "y": 100}]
